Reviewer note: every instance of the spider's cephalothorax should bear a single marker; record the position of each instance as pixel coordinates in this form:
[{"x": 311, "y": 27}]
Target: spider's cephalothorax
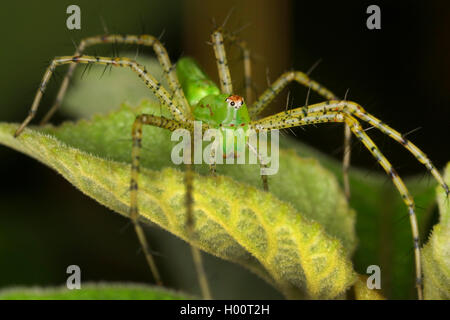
[
  {"x": 207, "y": 103},
  {"x": 193, "y": 96},
  {"x": 222, "y": 111}
]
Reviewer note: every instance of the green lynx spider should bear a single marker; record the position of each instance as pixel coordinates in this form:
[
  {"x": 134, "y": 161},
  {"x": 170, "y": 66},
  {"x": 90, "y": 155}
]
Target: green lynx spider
[{"x": 191, "y": 89}]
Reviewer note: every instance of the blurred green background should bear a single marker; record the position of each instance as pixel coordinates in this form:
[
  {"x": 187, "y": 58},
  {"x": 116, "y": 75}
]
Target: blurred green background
[{"x": 400, "y": 73}]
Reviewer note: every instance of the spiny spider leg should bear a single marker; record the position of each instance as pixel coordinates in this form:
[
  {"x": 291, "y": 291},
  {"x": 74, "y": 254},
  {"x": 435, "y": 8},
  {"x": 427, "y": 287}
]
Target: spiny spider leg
[
  {"x": 196, "y": 254},
  {"x": 302, "y": 78},
  {"x": 270, "y": 93},
  {"x": 354, "y": 109},
  {"x": 150, "y": 82},
  {"x": 159, "y": 91},
  {"x": 262, "y": 165},
  {"x": 222, "y": 62},
  {"x": 161, "y": 122},
  {"x": 346, "y": 160},
  {"x": 212, "y": 166},
  {"x": 223, "y": 70},
  {"x": 247, "y": 62},
  {"x": 134, "y": 182},
  {"x": 145, "y": 40},
  {"x": 308, "y": 116}
]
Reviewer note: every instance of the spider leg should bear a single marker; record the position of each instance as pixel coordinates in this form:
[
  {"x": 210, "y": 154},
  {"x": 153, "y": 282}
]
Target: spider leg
[
  {"x": 134, "y": 183},
  {"x": 313, "y": 116},
  {"x": 196, "y": 254},
  {"x": 145, "y": 40},
  {"x": 399, "y": 184},
  {"x": 354, "y": 109},
  {"x": 222, "y": 62},
  {"x": 302, "y": 78},
  {"x": 212, "y": 166},
  {"x": 346, "y": 160},
  {"x": 154, "y": 85},
  {"x": 262, "y": 165},
  {"x": 146, "y": 119},
  {"x": 247, "y": 62},
  {"x": 264, "y": 178},
  {"x": 359, "y": 112}
]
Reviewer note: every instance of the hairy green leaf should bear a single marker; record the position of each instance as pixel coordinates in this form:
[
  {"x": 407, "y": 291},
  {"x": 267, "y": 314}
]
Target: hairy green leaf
[
  {"x": 299, "y": 238},
  {"x": 362, "y": 292},
  {"x": 436, "y": 253},
  {"x": 382, "y": 226}
]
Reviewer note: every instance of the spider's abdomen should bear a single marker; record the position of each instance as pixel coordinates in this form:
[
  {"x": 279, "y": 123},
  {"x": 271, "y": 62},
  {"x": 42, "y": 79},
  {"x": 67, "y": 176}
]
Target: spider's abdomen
[{"x": 194, "y": 82}]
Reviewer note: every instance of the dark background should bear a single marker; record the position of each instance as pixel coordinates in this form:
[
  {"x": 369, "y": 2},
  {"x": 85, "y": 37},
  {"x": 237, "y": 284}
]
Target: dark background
[{"x": 400, "y": 73}]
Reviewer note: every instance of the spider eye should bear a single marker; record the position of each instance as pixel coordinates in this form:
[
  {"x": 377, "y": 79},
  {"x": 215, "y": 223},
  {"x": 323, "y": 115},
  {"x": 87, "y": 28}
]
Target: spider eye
[{"x": 235, "y": 101}]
